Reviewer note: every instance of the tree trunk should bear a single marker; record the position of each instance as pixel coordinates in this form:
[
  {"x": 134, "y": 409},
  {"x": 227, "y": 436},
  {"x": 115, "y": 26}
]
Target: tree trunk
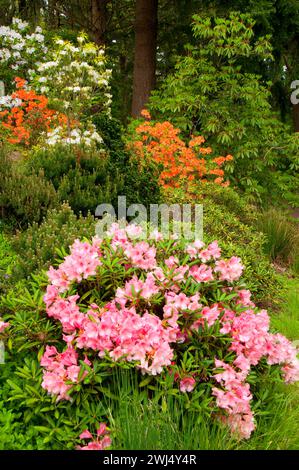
[
  {"x": 53, "y": 14},
  {"x": 144, "y": 75},
  {"x": 99, "y": 21},
  {"x": 22, "y": 7},
  {"x": 296, "y": 117}
]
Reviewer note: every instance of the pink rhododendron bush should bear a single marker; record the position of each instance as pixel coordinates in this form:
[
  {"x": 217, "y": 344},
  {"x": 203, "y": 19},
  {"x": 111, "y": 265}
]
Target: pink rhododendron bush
[{"x": 174, "y": 312}]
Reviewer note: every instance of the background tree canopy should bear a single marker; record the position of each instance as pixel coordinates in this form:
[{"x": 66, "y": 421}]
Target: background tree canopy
[{"x": 114, "y": 24}]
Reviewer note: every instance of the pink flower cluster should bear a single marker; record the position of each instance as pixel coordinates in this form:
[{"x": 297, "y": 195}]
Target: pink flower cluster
[
  {"x": 140, "y": 254},
  {"x": 61, "y": 371},
  {"x": 211, "y": 252},
  {"x": 251, "y": 341},
  {"x": 124, "y": 334},
  {"x": 164, "y": 302},
  {"x": 100, "y": 442},
  {"x": 187, "y": 384},
  {"x": 230, "y": 270},
  {"x": 234, "y": 399},
  {"x": 80, "y": 264}
]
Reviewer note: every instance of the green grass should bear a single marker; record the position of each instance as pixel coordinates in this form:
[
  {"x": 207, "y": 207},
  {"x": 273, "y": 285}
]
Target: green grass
[
  {"x": 282, "y": 238},
  {"x": 286, "y": 321},
  {"x": 141, "y": 424}
]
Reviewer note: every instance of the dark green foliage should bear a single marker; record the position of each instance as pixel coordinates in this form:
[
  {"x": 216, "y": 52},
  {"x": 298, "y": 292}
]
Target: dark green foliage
[
  {"x": 7, "y": 261},
  {"x": 140, "y": 185},
  {"x": 83, "y": 179},
  {"x": 24, "y": 198},
  {"x": 212, "y": 92},
  {"x": 36, "y": 246}
]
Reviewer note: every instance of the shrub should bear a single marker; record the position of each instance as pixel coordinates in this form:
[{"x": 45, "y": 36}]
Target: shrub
[
  {"x": 174, "y": 312},
  {"x": 7, "y": 261},
  {"x": 75, "y": 77},
  {"x": 6, "y": 165},
  {"x": 36, "y": 245},
  {"x": 181, "y": 165},
  {"x": 24, "y": 198},
  {"x": 79, "y": 177},
  {"x": 25, "y": 116},
  {"x": 21, "y": 49},
  {"x": 140, "y": 179}
]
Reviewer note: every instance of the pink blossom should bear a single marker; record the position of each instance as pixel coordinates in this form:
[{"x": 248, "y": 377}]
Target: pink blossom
[
  {"x": 80, "y": 264},
  {"x": 85, "y": 435},
  {"x": 234, "y": 398},
  {"x": 230, "y": 270},
  {"x": 187, "y": 384},
  {"x": 202, "y": 273},
  {"x": 102, "y": 430},
  {"x": 242, "y": 425},
  {"x": 194, "y": 248},
  {"x": 142, "y": 255},
  {"x": 211, "y": 315},
  {"x": 214, "y": 250},
  {"x": 244, "y": 298},
  {"x": 3, "y": 326},
  {"x": 208, "y": 314},
  {"x": 156, "y": 235},
  {"x": 179, "y": 273},
  {"x": 59, "y": 368},
  {"x": 171, "y": 262},
  {"x": 134, "y": 231},
  {"x": 93, "y": 445},
  {"x": 101, "y": 442}
]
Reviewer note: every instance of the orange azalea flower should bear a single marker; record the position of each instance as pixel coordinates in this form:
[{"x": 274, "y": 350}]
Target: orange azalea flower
[
  {"x": 196, "y": 141},
  {"x": 205, "y": 151},
  {"x": 144, "y": 113},
  {"x": 181, "y": 162},
  {"x": 219, "y": 160},
  {"x": 30, "y": 118}
]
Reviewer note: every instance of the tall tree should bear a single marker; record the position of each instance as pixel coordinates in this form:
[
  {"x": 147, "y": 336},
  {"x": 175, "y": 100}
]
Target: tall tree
[
  {"x": 144, "y": 75},
  {"x": 99, "y": 20}
]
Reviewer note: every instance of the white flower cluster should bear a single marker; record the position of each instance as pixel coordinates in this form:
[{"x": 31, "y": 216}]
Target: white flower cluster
[
  {"x": 19, "y": 47},
  {"x": 89, "y": 137},
  {"x": 9, "y": 102},
  {"x": 79, "y": 75}
]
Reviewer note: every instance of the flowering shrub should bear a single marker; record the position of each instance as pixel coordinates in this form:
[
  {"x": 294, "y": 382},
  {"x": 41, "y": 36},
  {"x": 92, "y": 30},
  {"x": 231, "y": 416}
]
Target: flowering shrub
[
  {"x": 181, "y": 164},
  {"x": 25, "y": 115},
  {"x": 75, "y": 77},
  {"x": 21, "y": 50},
  {"x": 174, "y": 311},
  {"x": 88, "y": 137}
]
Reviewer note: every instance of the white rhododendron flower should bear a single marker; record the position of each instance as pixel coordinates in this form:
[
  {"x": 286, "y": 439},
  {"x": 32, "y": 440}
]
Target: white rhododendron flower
[
  {"x": 79, "y": 75},
  {"x": 19, "y": 48},
  {"x": 89, "y": 137}
]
